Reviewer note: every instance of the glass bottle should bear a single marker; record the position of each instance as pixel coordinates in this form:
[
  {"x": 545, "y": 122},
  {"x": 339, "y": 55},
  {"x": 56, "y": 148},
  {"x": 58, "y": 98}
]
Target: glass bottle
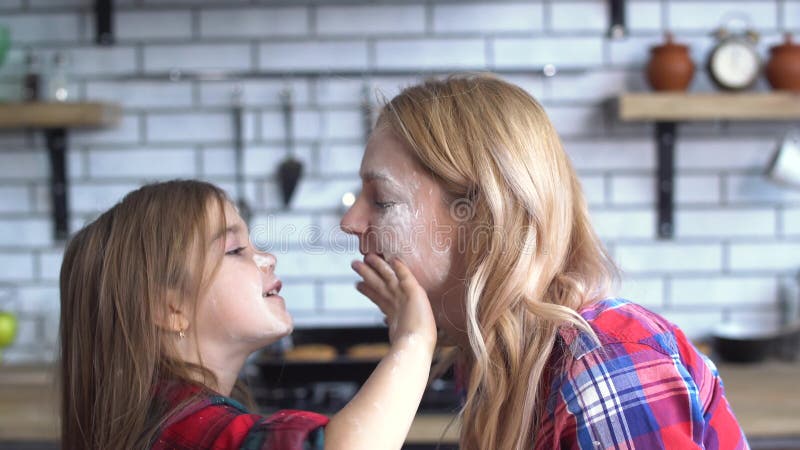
[
  {"x": 58, "y": 78},
  {"x": 32, "y": 79}
]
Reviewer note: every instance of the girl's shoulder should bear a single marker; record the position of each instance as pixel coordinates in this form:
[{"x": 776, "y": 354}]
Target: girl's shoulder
[{"x": 214, "y": 421}]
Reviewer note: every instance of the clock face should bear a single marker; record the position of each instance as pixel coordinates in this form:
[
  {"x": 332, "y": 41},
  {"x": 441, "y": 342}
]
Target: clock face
[{"x": 734, "y": 64}]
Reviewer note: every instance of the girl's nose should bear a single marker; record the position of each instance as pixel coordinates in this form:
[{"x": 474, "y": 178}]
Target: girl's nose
[{"x": 265, "y": 261}]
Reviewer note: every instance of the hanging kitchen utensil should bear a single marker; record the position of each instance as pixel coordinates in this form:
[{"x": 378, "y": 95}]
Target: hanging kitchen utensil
[
  {"x": 291, "y": 169},
  {"x": 238, "y": 147},
  {"x": 784, "y": 167}
]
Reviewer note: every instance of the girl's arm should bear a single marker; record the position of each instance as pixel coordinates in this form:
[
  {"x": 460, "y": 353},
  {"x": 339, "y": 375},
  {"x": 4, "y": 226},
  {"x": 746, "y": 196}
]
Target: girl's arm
[{"x": 380, "y": 414}]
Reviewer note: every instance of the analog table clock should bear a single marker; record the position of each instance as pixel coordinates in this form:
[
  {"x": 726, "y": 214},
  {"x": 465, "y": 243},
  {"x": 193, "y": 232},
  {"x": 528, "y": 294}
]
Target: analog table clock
[{"x": 734, "y": 63}]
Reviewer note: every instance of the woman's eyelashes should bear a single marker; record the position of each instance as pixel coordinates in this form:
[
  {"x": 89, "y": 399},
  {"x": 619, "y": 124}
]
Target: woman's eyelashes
[
  {"x": 236, "y": 252},
  {"x": 384, "y": 205}
]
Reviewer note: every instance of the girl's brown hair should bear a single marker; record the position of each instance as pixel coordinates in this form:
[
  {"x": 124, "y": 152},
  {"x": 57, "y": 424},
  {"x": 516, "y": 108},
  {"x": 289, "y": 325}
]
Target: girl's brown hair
[
  {"x": 537, "y": 260},
  {"x": 116, "y": 277}
]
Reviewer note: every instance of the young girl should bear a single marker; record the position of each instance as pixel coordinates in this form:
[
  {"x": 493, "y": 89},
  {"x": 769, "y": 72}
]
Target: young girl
[
  {"x": 163, "y": 298},
  {"x": 467, "y": 180}
]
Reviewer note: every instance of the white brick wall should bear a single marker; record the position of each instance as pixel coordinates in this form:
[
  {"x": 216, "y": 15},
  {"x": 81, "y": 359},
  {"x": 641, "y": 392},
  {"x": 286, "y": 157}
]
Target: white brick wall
[
  {"x": 622, "y": 224},
  {"x": 427, "y": 53},
  {"x": 607, "y": 154},
  {"x": 488, "y": 17},
  {"x": 362, "y": 20},
  {"x": 16, "y": 199},
  {"x": 254, "y": 92},
  {"x": 588, "y": 15},
  {"x": 563, "y": 52},
  {"x": 669, "y": 257},
  {"x": 737, "y": 235},
  {"x": 648, "y": 291},
  {"x": 704, "y": 15},
  {"x": 187, "y": 127},
  {"x": 765, "y": 256},
  {"x": 116, "y": 163},
  {"x": 163, "y": 58},
  {"x": 38, "y": 28},
  {"x": 85, "y": 197},
  {"x": 128, "y": 131},
  {"x": 724, "y": 291},
  {"x": 589, "y": 86},
  {"x": 253, "y": 22},
  {"x": 791, "y": 15},
  {"x": 724, "y": 153},
  {"x": 633, "y": 51},
  {"x": 791, "y": 222},
  {"x": 721, "y": 223},
  {"x": 313, "y": 55},
  {"x": 644, "y": 16},
  {"x": 697, "y": 189},
  {"x": 142, "y": 94},
  {"x": 22, "y": 233},
  {"x": 16, "y": 266},
  {"x": 92, "y": 61},
  {"x": 50, "y": 264},
  {"x": 155, "y": 25}
]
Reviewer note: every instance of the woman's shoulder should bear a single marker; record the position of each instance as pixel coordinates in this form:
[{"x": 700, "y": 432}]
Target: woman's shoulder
[
  {"x": 215, "y": 421},
  {"x": 640, "y": 382},
  {"x": 622, "y": 325}
]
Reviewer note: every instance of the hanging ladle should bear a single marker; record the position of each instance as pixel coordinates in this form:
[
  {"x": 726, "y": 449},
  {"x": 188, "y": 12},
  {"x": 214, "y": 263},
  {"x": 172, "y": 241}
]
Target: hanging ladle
[{"x": 291, "y": 169}]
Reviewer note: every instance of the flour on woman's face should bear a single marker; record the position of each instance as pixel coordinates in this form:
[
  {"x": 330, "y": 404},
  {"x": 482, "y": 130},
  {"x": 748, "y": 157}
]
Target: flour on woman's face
[{"x": 402, "y": 213}]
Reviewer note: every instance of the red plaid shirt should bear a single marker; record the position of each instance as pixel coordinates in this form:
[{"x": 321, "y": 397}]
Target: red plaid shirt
[
  {"x": 216, "y": 422},
  {"x": 644, "y": 387}
]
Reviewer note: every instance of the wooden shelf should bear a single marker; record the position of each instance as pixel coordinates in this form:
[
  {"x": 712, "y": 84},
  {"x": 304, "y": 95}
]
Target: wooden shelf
[
  {"x": 58, "y": 115},
  {"x": 55, "y": 119},
  {"x": 667, "y": 109},
  {"x": 682, "y": 107}
]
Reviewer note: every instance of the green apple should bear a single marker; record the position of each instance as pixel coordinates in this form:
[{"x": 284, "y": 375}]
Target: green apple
[{"x": 8, "y": 328}]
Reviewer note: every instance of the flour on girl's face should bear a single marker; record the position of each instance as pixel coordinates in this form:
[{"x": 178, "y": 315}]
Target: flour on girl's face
[
  {"x": 252, "y": 319},
  {"x": 233, "y": 309}
]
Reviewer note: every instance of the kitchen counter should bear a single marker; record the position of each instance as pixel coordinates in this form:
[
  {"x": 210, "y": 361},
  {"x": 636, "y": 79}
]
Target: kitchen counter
[{"x": 765, "y": 399}]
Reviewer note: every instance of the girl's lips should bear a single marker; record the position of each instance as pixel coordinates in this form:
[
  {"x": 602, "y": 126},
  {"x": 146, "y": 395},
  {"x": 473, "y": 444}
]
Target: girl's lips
[{"x": 275, "y": 289}]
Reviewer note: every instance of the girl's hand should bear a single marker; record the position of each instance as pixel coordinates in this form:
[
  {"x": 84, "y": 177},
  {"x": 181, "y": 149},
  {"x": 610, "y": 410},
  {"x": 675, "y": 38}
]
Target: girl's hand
[{"x": 399, "y": 296}]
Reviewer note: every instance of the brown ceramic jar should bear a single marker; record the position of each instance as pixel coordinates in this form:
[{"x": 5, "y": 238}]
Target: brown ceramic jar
[
  {"x": 670, "y": 67},
  {"x": 783, "y": 68}
]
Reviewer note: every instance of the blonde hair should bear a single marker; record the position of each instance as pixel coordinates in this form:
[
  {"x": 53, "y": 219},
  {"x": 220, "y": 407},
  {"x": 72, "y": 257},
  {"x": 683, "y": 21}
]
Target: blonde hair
[
  {"x": 490, "y": 143},
  {"x": 115, "y": 279}
]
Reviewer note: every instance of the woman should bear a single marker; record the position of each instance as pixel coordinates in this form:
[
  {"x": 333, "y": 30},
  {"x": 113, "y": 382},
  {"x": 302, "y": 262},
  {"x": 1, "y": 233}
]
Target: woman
[
  {"x": 163, "y": 297},
  {"x": 465, "y": 179}
]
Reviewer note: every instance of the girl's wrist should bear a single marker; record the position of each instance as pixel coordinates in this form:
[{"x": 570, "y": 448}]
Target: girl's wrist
[{"x": 415, "y": 342}]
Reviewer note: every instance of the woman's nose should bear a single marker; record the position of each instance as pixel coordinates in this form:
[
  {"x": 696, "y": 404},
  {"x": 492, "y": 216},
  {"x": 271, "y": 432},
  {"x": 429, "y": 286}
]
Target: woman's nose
[
  {"x": 266, "y": 262},
  {"x": 351, "y": 222}
]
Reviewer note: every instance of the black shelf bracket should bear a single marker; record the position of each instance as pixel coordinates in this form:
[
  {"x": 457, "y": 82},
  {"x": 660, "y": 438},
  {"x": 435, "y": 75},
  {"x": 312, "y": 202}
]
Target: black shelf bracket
[
  {"x": 616, "y": 27},
  {"x": 104, "y": 21},
  {"x": 666, "y": 133},
  {"x": 56, "y": 139}
]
